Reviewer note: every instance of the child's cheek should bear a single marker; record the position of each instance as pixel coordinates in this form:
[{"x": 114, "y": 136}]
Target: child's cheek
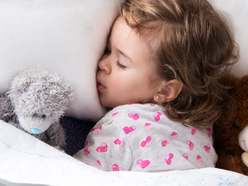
[{"x": 115, "y": 83}]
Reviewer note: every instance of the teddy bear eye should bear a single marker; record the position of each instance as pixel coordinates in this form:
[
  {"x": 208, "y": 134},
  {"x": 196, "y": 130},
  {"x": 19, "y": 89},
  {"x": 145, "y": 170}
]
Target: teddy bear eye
[
  {"x": 236, "y": 126},
  {"x": 36, "y": 115}
]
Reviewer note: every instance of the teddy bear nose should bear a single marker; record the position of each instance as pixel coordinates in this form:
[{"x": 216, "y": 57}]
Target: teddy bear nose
[{"x": 35, "y": 131}]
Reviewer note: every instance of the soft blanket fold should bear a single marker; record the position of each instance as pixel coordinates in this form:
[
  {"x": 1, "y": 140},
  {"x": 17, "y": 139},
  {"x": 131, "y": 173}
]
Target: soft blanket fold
[{"x": 25, "y": 160}]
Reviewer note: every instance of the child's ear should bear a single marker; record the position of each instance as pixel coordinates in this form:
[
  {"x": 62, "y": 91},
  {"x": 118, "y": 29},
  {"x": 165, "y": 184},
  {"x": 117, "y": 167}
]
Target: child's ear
[{"x": 169, "y": 91}]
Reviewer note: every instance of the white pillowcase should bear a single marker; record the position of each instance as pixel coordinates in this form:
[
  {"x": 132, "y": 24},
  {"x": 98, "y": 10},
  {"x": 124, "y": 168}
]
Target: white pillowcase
[
  {"x": 238, "y": 11},
  {"x": 65, "y": 36}
]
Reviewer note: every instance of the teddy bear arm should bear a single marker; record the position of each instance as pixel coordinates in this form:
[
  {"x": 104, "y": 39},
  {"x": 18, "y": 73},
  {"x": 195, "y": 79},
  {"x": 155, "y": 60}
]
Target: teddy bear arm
[
  {"x": 7, "y": 113},
  {"x": 55, "y": 136},
  {"x": 232, "y": 163}
]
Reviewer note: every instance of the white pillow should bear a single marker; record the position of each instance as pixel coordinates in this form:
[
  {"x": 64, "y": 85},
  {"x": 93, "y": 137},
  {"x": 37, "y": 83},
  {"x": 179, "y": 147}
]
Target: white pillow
[
  {"x": 238, "y": 11},
  {"x": 65, "y": 36}
]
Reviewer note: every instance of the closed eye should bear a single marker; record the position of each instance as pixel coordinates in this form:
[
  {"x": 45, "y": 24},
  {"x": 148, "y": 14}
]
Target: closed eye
[{"x": 121, "y": 65}]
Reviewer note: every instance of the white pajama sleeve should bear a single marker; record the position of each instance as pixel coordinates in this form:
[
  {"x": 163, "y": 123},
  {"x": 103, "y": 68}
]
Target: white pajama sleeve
[{"x": 107, "y": 148}]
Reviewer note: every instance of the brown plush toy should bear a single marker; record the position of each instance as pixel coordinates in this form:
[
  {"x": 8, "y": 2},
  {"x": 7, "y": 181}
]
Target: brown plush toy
[{"x": 231, "y": 130}]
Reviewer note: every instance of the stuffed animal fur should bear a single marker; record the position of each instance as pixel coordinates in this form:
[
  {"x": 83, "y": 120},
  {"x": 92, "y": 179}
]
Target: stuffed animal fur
[
  {"x": 35, "y": 102},
  {"x": 231, "y": 130}
]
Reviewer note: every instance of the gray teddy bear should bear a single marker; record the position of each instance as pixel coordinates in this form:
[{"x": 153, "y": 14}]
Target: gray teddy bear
[{"x": 35, "y": 102}]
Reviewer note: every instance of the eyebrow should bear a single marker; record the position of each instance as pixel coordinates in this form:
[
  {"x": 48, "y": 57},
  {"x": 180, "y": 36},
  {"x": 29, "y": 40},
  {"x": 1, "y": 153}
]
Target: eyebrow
[
  {"x": 122, "y": 53},
  {"x": 125, "y": 55}
]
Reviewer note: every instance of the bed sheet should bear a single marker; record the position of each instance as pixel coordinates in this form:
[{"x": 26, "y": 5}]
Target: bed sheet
[{"x": 24, "y": 160}]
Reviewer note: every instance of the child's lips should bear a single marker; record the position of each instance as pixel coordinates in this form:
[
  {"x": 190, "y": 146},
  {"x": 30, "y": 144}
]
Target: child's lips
[{"x": 100, "y": 86}]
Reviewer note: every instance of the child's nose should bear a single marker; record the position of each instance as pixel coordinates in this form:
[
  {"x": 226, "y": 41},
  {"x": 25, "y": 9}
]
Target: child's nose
[{"x": 104, "y": 64}]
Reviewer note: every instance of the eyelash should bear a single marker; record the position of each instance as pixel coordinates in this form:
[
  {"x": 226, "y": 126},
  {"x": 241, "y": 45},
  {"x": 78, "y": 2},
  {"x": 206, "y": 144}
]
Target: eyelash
[{"x": 120, "y": 65}]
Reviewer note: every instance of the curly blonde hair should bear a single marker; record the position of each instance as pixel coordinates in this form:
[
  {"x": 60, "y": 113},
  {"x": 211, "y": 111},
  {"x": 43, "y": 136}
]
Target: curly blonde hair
[{"x": 194, "y": 43}]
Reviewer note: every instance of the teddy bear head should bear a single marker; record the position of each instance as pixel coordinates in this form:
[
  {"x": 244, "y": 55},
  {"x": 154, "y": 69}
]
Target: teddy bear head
[
  {"x": 39, "y": 98},
  {"x": 231, "y": 131}
]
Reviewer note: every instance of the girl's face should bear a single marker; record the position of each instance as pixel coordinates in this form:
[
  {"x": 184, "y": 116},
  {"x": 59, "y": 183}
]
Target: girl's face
[{"x": 127, "y": 70}]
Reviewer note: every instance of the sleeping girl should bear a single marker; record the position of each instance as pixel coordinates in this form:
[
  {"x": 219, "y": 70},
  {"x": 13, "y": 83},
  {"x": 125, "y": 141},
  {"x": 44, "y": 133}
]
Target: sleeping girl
[{"x": 160, "y": 76}]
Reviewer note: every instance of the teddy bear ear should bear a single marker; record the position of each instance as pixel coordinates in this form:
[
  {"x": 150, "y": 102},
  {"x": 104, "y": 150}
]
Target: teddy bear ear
[
  {"x": 229, "y": 80},
  {"x": 244, "y": 81},
  {"x": 19, "y": 85}
]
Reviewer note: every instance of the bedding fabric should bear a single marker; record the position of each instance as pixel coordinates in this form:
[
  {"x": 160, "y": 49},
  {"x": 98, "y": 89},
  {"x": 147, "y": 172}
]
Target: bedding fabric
[
  {"x": 27, "y": 161},
  {"x": 65, "y": 36}
]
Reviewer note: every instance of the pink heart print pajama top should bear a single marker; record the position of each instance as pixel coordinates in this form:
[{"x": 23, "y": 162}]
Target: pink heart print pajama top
[{"x": 140, "y": 137}]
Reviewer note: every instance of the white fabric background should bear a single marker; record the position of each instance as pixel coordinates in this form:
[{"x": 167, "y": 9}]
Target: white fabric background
[
  {"x": 65, "y": 36},
  {"x": 238, "y": 13}
]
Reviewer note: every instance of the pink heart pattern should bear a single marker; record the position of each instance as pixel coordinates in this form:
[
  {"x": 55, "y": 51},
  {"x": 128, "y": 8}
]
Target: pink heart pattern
[
  {"x": 193, "y": 131},
  {"x": 133, "y": 116},
  {"x": 102, "y": 148},
  {"x": 168, "y": 158},
  {"x": 174, "y": 135},
  {"x": 209, "y": 135},
  {"x": 199, "y": 159},
  {"x": 164, "y": 142},
  {"x": 116, "y": 167},
  {"x": 119, "y": 142},
  {"x": 191, "y": 145},
  {"x": 156, "y": 116},
  {"x": 147, "y": 142},
  {"x": 207, "y": 148},
  {"x": 143, "y": 164},
  {"x": 85, "y": 163},
  {"x": 186, "y": 156},
  {"x": 115, "y": 114},
  {"x": 148, "y": 126},
  {"x": 99, "y": 130},
  {"x": 210, "y": 129},
  {"x": 129, "y": 130},
  {"x": 98, "y": 164},
  {"x": 87, "y": 150}
]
